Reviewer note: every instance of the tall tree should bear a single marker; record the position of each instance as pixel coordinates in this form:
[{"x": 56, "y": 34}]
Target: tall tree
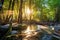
[
  {"x": 9, "y": 4},
  {"x": 20, "y": 12},
  {"x": 13, "y": 3},
  {"x": 20, "y": 18}
]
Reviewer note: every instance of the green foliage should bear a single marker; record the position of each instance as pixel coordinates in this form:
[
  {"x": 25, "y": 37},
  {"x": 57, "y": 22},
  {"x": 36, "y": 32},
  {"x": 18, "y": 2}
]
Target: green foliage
[{"x": 43, "y": 9}]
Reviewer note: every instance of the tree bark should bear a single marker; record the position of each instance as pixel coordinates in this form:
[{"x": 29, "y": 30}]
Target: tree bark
[
  {"x": 20, "y": 18},
  {"x": 13, "y": 3},
  {"x": 20, "y": 13},
  {"x": 9, "y": 4}
]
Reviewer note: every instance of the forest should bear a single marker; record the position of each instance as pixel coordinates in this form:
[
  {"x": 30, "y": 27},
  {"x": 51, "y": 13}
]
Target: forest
[
  {"x": 27, "y": 16},
  {"x": 41, "y": 10}
]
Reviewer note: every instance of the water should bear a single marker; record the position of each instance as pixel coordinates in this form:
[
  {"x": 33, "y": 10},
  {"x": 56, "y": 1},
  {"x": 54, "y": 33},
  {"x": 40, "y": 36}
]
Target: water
[
  {"x": 47, "y": 37},
  {"x": 38, "y": 28}
]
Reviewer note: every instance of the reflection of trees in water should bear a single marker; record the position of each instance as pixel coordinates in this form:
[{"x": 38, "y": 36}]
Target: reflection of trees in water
[
  {"x": 31, "y": 38},
  {"x": 35, "y": 37}
]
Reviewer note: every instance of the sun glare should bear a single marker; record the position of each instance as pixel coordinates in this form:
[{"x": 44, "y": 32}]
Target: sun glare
[
  {"x": 28, "y": 30},
  {"x": 27, "y": 11}
]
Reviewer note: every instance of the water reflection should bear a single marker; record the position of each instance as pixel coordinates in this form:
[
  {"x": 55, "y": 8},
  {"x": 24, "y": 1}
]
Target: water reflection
[
  {"x": 32, "y": 32},
  {"x": 36, "y": 32}
]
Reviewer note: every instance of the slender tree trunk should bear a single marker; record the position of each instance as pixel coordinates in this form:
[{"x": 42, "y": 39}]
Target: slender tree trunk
[
  {"x": 17, "y": 5},
  {"x": 20, "y": 19},
  {"x": 9, "y": 4},
  {"x": 20, "y": 13},
  {"x": 13, "y": 3},
  {"x": 30, "y": 12}
]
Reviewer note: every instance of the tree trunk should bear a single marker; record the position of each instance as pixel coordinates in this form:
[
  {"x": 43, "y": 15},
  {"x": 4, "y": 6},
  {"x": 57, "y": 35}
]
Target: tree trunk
[
  {"x": 20, "y": 13},
  {"x": 20, "y": 19},
  {"x": 13, "y": 3},
  {"x": 9, "y": 4}
]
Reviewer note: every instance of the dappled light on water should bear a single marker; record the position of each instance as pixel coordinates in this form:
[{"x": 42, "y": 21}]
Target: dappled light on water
[{"x": 29, "y": 32}]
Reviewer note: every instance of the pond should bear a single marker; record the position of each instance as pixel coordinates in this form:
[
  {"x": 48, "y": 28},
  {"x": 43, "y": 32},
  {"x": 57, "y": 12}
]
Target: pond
[{"x": 34, "y": 32}]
